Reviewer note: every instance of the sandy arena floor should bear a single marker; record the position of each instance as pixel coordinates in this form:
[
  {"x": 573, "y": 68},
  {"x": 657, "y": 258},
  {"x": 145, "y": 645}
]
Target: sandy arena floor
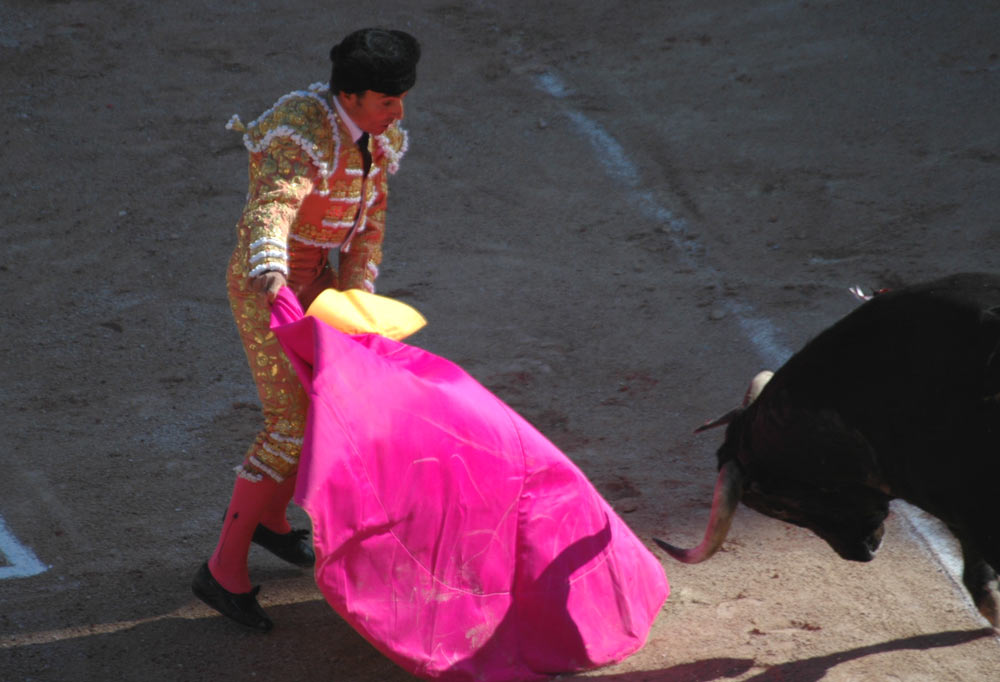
[{"x": 612, "y": 213}]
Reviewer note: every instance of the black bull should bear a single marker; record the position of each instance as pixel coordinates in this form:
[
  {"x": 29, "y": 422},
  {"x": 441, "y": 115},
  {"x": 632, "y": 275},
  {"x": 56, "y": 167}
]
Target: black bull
[{"x": 899, "y": 399}]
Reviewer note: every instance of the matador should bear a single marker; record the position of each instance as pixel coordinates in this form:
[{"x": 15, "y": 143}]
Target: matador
[
  {"x": 314, "y": 218},
  {"x": 309, "y": 199}
]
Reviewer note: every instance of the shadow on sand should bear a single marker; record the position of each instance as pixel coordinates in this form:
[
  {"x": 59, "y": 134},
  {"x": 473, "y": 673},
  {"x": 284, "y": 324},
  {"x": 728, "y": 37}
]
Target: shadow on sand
[{"x": 805, "y": 670}]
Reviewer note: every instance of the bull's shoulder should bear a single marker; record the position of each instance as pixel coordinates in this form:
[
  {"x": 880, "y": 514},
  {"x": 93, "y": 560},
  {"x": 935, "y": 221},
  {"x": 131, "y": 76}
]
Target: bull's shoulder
[
  {"x": 907, "y": 360},
  {"x": 941, "y": 318}
]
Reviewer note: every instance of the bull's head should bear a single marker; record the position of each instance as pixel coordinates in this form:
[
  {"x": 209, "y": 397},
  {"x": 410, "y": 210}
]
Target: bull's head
[
  {"x": 849, "y": 518},
  {"x": 845, "y": 512}
]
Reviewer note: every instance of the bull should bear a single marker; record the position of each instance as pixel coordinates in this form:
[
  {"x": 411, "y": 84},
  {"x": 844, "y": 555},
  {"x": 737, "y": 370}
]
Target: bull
[{"x": 898, "y": 399}]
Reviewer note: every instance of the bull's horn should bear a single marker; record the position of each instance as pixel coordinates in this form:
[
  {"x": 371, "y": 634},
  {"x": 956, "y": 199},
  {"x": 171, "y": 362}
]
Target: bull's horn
[
  {"x": 719, "y": 421},
  {"x": 728, "y": 489},
  {"x": 757, "y": 385}
]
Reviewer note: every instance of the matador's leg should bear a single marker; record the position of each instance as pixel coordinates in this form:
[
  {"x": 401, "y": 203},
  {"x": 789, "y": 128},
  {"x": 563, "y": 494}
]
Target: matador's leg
[
  {"x": 267, "y": 473},
  {"x": 275, "y": 451}
]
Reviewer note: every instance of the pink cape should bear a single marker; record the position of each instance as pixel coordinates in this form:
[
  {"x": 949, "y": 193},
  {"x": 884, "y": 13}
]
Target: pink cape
[{"x": 448, "y": 531}]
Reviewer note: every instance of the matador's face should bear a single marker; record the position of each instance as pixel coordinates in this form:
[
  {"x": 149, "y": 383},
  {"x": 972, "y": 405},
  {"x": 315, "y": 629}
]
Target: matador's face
[{"x": 372, "y": 111}]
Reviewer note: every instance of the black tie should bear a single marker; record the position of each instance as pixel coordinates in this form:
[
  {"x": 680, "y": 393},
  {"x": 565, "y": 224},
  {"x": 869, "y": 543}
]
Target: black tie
[{"x": 366, "y": 155}]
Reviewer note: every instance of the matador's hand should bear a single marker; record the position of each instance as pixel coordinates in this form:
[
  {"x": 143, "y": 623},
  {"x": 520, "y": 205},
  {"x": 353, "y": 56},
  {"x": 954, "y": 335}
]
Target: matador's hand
[{"x": 269, "y": 282}]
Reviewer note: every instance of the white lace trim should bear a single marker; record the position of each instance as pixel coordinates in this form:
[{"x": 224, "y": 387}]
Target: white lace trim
[
  {"x": 310, "y": 148},
  {"x": 266, "y": 469},
  {"x": 335, "y": 224},
  {"x": 243, "y": 473},
  {"x": 391, "y": 154},
  {"x": 264, "y": 255},
  {"x": 282, "y": 438},
  {"x": 315, "y": 242},
  {"x": 268, "y": 241},
  {"x": 268, "y": 267},
  {"x": 276, "y": 452}
]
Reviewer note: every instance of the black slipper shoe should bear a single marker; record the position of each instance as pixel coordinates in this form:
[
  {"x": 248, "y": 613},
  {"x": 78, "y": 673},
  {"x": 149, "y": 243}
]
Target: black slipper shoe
[
  {"x": 243, "y": 608},
  {"x": 293, "y": 546}
]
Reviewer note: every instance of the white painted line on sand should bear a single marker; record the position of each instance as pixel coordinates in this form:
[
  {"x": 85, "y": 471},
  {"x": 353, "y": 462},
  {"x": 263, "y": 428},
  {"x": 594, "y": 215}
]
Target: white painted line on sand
[
  {"x": 22, "y": 561},
  {"x": 618, "y": 166},
  {"x": 761, "y": 332},
  {"x": 938, "y": 539}
]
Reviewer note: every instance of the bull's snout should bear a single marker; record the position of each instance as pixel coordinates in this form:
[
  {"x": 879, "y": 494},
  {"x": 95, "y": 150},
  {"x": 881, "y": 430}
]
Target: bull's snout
[{"x": 859, "y": 550}]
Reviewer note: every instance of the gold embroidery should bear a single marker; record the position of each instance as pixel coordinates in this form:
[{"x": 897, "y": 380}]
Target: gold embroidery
[{"x": 305, "y": 184}]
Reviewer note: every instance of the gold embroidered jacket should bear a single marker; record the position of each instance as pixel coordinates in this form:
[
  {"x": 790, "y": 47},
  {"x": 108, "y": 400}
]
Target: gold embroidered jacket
[{"x": 308, "y": 195}]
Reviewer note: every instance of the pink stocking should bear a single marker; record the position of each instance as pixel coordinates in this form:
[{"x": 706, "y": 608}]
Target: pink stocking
[
  {"x": 275, "y": 517},
  {"x": 228, "y": 564}
]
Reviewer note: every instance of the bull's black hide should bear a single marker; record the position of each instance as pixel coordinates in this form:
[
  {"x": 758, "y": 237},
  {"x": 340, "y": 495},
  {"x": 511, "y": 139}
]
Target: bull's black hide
[{"x": 899, "y": 399}]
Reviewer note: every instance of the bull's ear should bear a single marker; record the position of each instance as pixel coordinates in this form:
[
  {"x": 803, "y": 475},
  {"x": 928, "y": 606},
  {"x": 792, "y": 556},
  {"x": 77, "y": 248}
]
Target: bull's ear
[{"x": 720, "y": 421}]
